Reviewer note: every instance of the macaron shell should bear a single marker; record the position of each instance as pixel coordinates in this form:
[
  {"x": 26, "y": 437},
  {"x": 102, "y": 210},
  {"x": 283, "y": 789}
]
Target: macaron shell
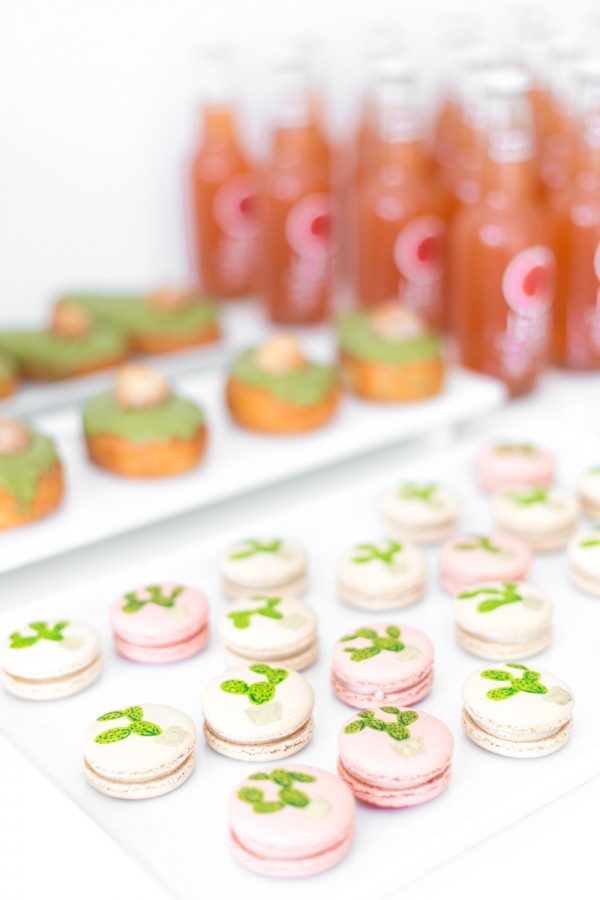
[
  {"x": 497, "y": 468},
  {"x": 523, "y": 716},
  {"x": 78, "y": 647},
  {"x": 236, "y": 719},
  {"x": 144, "y": 790},
  {"x": 266, "y": 751},
  {"x": 407, "y": 696},
  {"x": 419, "y": 520},
  {"x": 295, "y": 834},
  {"x": 379, "y": 578},
  {"x": 589, "y": 493},
  {"x": 268, "y": 628},
  {"x": 55, "y": 688},
  {"x": 294, "y": 868},
  {"x": 460, "y": 568},
  {"x": 386, "y": 798},
  {"x": 263, "y": 570},
  {"x": 544, "y": 526},
  {"x": 154, "y": 625},
  {"x": 388, "y": 670},
  {"x": 511, "y": 622},
  {"x": 169, "y": 654},
  {"x": 502, "y": 652},
  {"x": 140, "y": 758},
  {"x": 584, "y": 560},
  {"x": 516, "y": 749},
  {"x": 373, "y": 757}
]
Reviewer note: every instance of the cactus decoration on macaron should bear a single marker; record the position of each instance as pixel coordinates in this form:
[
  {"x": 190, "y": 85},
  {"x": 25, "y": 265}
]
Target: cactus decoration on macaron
[
  {"x": 288, "y": 794},
  {"x": 391, "y": 642},
  {"x": 480, "y": 542},
  {"x": 137, "y": 725},
  {"x": 528, "y": 496},
  {"x": 528, "y": 681},
  {"x": 497, "y": 596},
  {"x": 516, "y": 448},
  {"x": 423, "y": 492},
  {"x": 370, "y": 552},
  {"x": 43, "y": 632},
  {"x": 134, "y": 604},
  {"x": 397, "y": 730},
  {"x": 243, "y": 618},
  {"x": 258, "y": 692},
  {"x": 253, "y": 547}
]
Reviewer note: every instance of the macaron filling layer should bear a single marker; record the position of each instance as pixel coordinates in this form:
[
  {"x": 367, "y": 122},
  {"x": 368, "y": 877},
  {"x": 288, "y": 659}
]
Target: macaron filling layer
[
  {"x": 171, "y": 652},
  {"x": 306, "y": 386},
  {"x": 514, "y": 734},
  {"x": 163, "y": 772}
]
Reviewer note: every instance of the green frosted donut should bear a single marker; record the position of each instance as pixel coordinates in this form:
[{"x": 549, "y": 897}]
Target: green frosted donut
[
  {"x": 20, "y": 472},
  {"x": 135, "y": 315},
  {"x": 175, "y": 418},
  {"x": 62, "y": 355},
  {"x": 303, "y": 387},
  {"x": 357, "y": 338}
]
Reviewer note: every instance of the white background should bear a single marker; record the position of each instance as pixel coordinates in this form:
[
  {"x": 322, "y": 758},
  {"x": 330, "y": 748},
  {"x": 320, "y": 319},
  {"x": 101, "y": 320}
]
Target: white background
[{"x": 98, "y": 112}]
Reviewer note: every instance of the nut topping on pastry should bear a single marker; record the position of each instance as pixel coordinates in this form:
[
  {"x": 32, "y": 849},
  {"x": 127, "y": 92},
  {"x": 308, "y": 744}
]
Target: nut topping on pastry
[
  {"x": 140, "y": 387},
  {"x": 14, "y": 437},
  {"x": 280, "y": 355},
  {"x": 171, "y": 298},
  {"x": 395, "y": 322},
  {"x": 70, "y": 321}
]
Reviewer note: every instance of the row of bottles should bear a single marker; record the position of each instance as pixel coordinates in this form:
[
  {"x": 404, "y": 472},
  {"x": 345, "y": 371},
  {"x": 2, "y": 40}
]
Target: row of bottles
[{"x": 483, "y": 224}]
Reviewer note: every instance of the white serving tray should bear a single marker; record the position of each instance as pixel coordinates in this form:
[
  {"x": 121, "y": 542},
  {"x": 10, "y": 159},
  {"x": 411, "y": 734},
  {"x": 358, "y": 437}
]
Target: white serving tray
[
  {"x": 99, "y": 505},
  {"x": 184, "y": 833}
]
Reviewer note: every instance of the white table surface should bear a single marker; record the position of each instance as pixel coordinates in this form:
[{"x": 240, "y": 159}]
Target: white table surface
[{"x": 50, "y": 848}]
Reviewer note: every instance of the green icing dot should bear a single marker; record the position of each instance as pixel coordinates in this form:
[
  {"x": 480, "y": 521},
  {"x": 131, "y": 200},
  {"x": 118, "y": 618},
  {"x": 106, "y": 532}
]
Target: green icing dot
[
  {"x": 303, "y": 387},
  {"x": 136, "y": 314},
  {"x": 357, "y": 338},
  {"x": 175, "y": 418},
  {"x": 19, "y": 472},
  {"x": 60, "y": 355}
]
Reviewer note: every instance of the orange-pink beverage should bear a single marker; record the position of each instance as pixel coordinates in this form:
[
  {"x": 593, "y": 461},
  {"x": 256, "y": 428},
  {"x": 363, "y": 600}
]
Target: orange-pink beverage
[
  {"x": 297, "y": 213},
  {"x": 400, "y": 229},
  {"x": 226, "y": 228},
  {"x": 557, "y": 143},
  {"x": 501, "y": 266},
  {"x": 576, "y": 328}
]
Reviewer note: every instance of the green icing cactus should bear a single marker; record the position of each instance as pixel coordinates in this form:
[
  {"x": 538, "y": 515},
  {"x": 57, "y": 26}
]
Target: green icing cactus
[
  {"x": 378, "y": 644},
  {"x": 480, "y": 542},
  {"x": 516, "y": 448},
  {"x": 288, "y": 794},
  {"x": 137, "y": 725},
  {"x": 258, "y": 692},
  {"x": 529, "y": 496},
  {"x": 397, "y": 730},
  {"x": 43, "y": 633},
  {"x": 134, "y": 604},
  {"x": 254, "y": 547},
  {"x": 528, "y": 681},
  {"x": 372, "y": 551},
  {"x": 242, "y": 618},
  {"x": 423, "y": 492},
  {"x": 496, "y": 596}
]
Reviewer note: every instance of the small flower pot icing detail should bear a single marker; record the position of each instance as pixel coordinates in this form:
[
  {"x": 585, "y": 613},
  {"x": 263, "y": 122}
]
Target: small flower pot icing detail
[
  {"x": 258, "y": 712},
  {"x": 51, "y": 659},
  {"x": 138, "y": 752},
  {"x": 517, "y": 711},
  {"x": 382, "y": 663},
  {"x": 31, "y": 475},
  {"x": 275, "y": 389},
  {"x": 141, "y": 429},
  {"x": 291, "y": 822}
]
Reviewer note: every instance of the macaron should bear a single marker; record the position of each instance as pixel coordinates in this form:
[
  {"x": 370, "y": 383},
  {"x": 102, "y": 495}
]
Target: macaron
[
  {"x": 258, "y": 712},
  {"x": 139, "y": 752},
  {"x": 274, "y": 566},
  {"x": 382, "y": 663},
  {"x": 470, "y": 559},
  {"x": 589, "y": 493},
  {"x": 282, "y": 630},
  {"x": 584, "y": 561},
  {"x": 424, "y": 512},
  {"x": 503, "y": 464},
  {"x": 392, "y": 757},
  {"x": 543, "y": 517},
  {"x": 516, "y": 711},
  {"x": 51, "y": 659},
  {"x": 384, "y": 575},
  {"x": 503, "y": 620},
  {"x": 291, "y": 823},
  {"x": 160, "y": 623}
]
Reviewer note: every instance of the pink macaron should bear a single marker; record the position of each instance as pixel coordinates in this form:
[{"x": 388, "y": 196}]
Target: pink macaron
[
  {"x": 500, "y": 465},
  {"x": 160, "y": 623},
  {"x": 382, "y": 663},
  {"x": 471, "y": 558},
  {"x": 391, "y": 757},
  {"x": 291, "y": 822}
]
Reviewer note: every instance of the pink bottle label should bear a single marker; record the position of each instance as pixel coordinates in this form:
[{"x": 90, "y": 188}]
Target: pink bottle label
[
  {"x": 235, "y": 212},
  {"x": 419, "y": 257},
  {"x": 528, "y": 288},
  {"x": 309, "y": 232},
  {"x": 592, "y": 313}
]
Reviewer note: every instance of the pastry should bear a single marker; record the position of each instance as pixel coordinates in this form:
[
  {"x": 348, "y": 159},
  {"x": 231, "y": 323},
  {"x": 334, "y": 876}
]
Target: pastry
[
  {"x": 31, "y": 475},
  {"x": 9, "y": 375},
  {"x": 380, "y": 576},
  {"x": 584, "y": 561},
  {"x": 422, "y": 512},
  {"x": 503, "y": 464},
  {"x": 265, "y": 565},
  {"x": 542, "y": 517},
  {"x": 469, "y": 559},
  {"x": 589, "y": 493}
]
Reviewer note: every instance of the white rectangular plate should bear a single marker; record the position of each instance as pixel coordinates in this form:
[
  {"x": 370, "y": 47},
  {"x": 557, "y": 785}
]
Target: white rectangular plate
[
  {"x": 182, "y": 837},
  {"x": 99, "y": 505}
]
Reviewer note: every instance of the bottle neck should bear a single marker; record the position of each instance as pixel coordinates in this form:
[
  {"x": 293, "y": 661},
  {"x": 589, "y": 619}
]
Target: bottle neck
[
  {"x": 509, "y": 168},
  {"x": 588, "y": 150},
  {"x": 219, "y": 124}
]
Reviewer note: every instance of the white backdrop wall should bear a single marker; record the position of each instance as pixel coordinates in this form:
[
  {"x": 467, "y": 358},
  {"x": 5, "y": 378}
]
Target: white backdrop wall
[{"x": 98, "y": 111}]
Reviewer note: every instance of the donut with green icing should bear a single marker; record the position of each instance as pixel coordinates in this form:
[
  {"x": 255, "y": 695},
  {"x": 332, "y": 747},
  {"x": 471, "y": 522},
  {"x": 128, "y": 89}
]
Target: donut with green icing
[
  {"x": 175, "y": 418},
  {"x": 20, "y": 472},
  {"x": 136, "y": 315},
  {"x": 9, "y": 372},
  {"x": 358, "y": 339},
  {"x": 48, "y": 352},
  {"x": 302, "y": 387}
]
